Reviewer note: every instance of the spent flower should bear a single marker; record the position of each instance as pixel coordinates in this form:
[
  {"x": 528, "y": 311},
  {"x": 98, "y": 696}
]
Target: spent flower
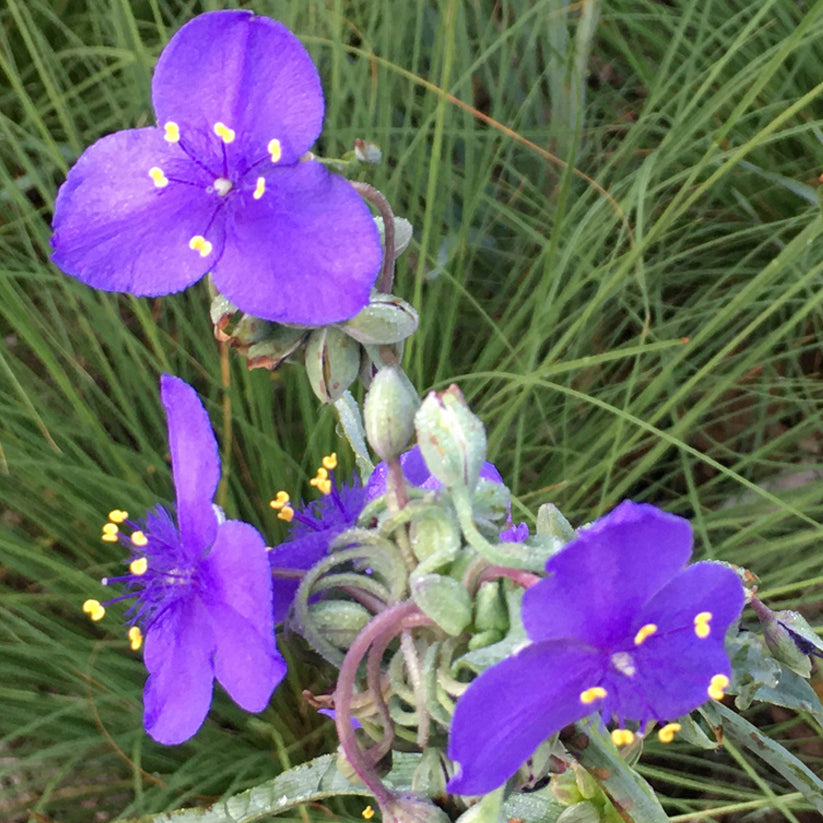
[
  {"x": 201, "y": 587},
  {"x": 618, "y": 626},
  {"x": 223, "y": 185}
]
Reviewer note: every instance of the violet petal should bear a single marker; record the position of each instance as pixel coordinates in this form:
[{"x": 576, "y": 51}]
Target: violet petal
[
  {"x": 597, "y": 583},
  {"x": 114, "y": 229},
  {"x": 306, "y": 252},
  {"x": 514, "y": 706},
  {"x": 249, "y": 73},
  {"x": 195, "y": 464},
  {"x": 178, "y": 691}
]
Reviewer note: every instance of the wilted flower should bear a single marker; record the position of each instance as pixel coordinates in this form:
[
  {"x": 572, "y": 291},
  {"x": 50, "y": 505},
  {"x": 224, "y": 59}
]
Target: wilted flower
[
  {"x": 202, "y": 588},
  {"x": 618, "y": 626},
  {"x": 222, "y": 185},
  {"x": 312, "y": 527}
]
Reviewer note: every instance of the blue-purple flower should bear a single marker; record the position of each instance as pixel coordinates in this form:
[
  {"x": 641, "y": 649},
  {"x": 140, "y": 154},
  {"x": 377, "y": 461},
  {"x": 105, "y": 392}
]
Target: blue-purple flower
[
  {"x": 223, "y": 185},
  {"x": 202, "y": 588},
  {"x": 619, "y": 626},
  {"x": 417, "y": 473},
  {"x": 312, "y": 528}
]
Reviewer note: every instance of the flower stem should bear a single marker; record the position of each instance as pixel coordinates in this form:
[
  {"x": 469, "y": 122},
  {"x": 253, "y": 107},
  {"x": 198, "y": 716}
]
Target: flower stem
[
  {"x": 378, "y": 200},
  {"x": 376, "y": 635}
]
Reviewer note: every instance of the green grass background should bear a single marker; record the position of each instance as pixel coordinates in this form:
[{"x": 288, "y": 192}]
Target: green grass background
[{"x": 591, "y": 185}]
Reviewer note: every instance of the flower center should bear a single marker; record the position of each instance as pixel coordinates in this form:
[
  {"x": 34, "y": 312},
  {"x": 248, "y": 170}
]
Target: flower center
[
  {"x": 223, "y": 186},
  {"x": 624, "y": 663}
]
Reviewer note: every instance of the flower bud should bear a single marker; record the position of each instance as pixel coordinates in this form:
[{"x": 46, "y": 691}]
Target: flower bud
[
  {"x": 332, "y": 362},
  {"x": 388, "y": 412},
  {"x": 386, "y": 320},
  {"x": 338, "y": 621},
  {"x": 435, "y": 537},
  {"x": 407, "y": 807},
  {"x": 789, "y": 637},
  {"x": 490, "y": 611},
  {"x": 451, "y": 438},
  {"x": 444, "y": 600}
]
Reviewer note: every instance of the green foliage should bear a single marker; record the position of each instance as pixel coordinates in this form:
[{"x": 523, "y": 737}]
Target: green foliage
[{"x": 561, "y": 256}]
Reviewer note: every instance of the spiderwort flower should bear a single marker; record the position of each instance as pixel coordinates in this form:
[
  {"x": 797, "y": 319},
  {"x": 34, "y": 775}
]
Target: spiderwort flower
[
  {"x": 202, "y": 588},
  {"x": 312, "y": 528},
  {"x": 618, "y": 626},
  {"x": 222, "y": 185}
]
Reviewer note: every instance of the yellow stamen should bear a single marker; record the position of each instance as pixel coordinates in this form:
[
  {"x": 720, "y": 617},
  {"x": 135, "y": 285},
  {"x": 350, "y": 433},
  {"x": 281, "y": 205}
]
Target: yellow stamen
[
  {"x": 286, "y": 513},
  {"x": 139, "y": 539},
  {"x": 224, "y": 132},
  {"x": 592, "y": 694},
  {"x": 135, "y": 638},
  {"x": 275, "y": 150},
  {"x": 200, "y": 244},
  {"x": 329, "y": 461},
  {"x": 644, "y": 632},
  {"x": 172, "y": 130},
  {"x": 260, "y": 188},
  {"x": 160, "y": 179},
  {"x": 94, "y": 609},
  {"x": 321, "y": 481},
  {"x": 368, "y": 813},
  {"x": 718, "y": 685},
  {"x": 622, "y": 737},
  {"x": 667, "y": 733},
  {"x": 701, "y": 624},
  {"x": 110, "y": 528},
  {"x": 280, "y": 500},
  {"x": 139, "y": 565},
  {"x": 109, "y": 538},
  {"x": 117, "y": 515}
]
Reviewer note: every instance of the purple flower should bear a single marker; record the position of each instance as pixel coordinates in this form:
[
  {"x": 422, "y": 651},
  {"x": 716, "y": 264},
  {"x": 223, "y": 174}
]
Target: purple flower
[
  {"x": 618, "y": 626},
  {"x": 219, "y": 186},
  {"x": 202, "y": 587},
  {"x": 312, "y": 528},
  {"x": 417, "y": 473}
]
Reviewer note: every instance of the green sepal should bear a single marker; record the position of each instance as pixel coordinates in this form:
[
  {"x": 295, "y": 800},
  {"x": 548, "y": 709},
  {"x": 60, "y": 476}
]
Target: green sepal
[{"x": 386, "y": 320}]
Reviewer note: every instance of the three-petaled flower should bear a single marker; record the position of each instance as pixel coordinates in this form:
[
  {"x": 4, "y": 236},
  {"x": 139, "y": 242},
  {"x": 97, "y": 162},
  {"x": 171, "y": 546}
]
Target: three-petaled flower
[
  {"x": 223, "y": 185},
  {"x": 202, "y": 588},
  {"x": 619, "y": 626}
]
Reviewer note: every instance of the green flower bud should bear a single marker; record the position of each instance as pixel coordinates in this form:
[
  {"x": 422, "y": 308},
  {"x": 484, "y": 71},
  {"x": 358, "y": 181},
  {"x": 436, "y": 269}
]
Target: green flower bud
[
  {"x": 551, "y": 522},
  {"x": 332, "y": 362},
  {"x": 387, "y": 319},
  {"x": 789, "y": 637},
  {"x": 435, "y": 537},
  {"x": 388, "y": 412},
  {"x": 490, "y": 611},
  {"x": 402, "y": 233},
  {"x": 338, "y": 621},
  {"x": 444, "y": 600},
  {"x": 406, "y": 807},
  {"x": 451, "y": 438}
]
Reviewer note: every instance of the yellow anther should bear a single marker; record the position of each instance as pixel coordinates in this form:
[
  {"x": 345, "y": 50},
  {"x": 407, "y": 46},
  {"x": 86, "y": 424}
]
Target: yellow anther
[
  {"x": 94, "y": 609},
  {"x": 172, "y": 130},
  {"x": 200, "y": 244},
  {"x": 110, "y": 537},
  {"x": 701, "y": 624},
  {"x": 592, "y": 694},
  {"x": 329, "y": 461},
  {"x": 117, "y": 515},
  {"x": 280, "y": 500},
  {"x": 260, "y": 188},
  {"x": 139, "y": 565},
  {"x": 286, "y": 513},
  {"x": 110, "y": 528},
  {"x": 139, "y": 539},
  {"x": 718, "y": 685},
  {"x": 644, "y": 632},
  {"x": 321, "y": 481},
  {"x": 135, "y": 638},
  {"x": 667, "y": 733},
  {"x": 622, "y": 737},
  {"x": 158, "y": 177},
  {"x": 224, "y": 132},
  {"x": 368, "y": 813},
  {"x": 275, "y": 150}
]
